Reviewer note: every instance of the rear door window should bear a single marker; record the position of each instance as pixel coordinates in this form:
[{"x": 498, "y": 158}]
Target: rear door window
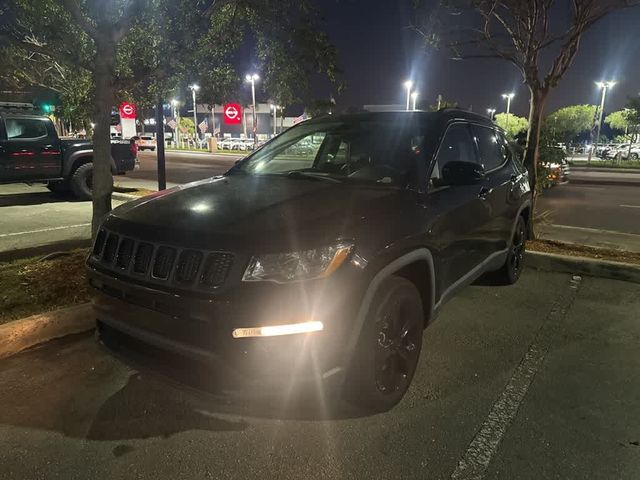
[
  {"x": 493, "y": 149},
  {"x": 456, "y": 146},
  {"x": 25, "y": 128}
]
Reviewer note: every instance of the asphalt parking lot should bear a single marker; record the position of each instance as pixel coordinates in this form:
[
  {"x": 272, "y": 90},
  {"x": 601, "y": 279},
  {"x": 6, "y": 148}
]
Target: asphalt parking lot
[{"x": 540, "y": 380}]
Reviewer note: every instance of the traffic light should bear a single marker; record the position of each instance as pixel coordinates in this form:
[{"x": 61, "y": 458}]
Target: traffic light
[{"x": 46, "y": 108}]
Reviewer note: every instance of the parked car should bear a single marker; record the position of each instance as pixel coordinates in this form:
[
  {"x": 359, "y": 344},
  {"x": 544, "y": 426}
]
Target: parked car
[
  {"x": 323, "y": 268},
  {"x": 232, "y": 144},
  {"x": 615, "y": 151},
  {"x": 626, "y": 153},
  {"x": 32, "y": 152},
  {"x": 146, "y": 142}
]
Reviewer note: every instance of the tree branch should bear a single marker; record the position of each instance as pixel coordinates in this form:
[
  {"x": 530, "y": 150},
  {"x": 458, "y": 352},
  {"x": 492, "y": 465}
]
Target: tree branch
[{"x": 74, "y": 9}]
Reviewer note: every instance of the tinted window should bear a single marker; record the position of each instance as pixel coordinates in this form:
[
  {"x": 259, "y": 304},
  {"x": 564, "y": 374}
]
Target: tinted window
[
  {"x": 493, "y": 149},
  {"x": 361, "y": 150},
  {"x": 456, "y": 146},
  {"x": 25, "y": 128}
]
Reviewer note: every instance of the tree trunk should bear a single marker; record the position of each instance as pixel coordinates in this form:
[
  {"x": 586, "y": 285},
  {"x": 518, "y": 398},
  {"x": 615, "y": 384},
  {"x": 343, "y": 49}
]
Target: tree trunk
[
  {"x": 538, "y": 97},
  {"x": 104, "y": 100}
]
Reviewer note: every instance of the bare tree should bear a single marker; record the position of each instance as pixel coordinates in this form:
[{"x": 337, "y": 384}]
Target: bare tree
[{"x": 522, "y": 32}]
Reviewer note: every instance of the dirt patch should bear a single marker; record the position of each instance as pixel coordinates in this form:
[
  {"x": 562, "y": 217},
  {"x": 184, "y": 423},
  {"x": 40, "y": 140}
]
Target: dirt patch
[
  {"x": 549, "y": 246},
  {"x": 33, "y": 285}
]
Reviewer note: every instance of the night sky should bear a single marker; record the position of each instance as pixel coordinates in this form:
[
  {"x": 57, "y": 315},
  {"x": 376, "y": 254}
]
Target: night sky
[{"x": 377, "y": 53}]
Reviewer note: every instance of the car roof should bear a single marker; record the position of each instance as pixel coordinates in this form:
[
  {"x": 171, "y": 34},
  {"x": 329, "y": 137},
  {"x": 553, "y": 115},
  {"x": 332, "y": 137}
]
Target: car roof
[{"x": 445, "y": 114}]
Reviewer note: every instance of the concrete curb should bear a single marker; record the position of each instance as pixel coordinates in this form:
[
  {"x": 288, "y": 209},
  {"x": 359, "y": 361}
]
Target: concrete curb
[
  {"x": 21, "y": 334},
  {"x": 125, "y": 197},
  {"x": 583, "y": 266}
]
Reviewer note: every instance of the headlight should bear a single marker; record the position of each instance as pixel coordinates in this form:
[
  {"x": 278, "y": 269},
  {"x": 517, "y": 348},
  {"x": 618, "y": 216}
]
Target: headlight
[{"x": 296, "y": 266}]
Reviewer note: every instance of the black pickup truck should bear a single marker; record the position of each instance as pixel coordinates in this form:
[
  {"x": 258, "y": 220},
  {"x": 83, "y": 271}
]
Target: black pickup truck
[{"x": 32, "y": 152}]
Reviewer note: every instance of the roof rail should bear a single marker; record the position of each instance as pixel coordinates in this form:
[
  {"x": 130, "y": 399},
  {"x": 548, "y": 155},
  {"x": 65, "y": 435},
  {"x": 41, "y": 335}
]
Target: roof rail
[{"x": 17, "y": 107}]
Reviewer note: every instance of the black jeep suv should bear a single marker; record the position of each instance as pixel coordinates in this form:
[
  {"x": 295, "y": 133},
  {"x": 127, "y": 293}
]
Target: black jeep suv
[{"x": 323, "y": 254}]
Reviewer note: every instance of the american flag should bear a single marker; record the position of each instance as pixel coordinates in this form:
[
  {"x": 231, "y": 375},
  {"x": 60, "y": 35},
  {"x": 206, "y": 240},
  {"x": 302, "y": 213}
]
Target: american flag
[
  {"x": 203, "y": 126},
  {"x": 300, "y": 118}
]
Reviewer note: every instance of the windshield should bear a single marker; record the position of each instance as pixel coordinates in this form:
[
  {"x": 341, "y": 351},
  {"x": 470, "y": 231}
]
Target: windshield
[{"x": 378, "y": 152}]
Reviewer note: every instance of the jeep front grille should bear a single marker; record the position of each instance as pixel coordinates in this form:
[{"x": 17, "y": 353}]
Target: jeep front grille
[{"x": 161, "y": 264}]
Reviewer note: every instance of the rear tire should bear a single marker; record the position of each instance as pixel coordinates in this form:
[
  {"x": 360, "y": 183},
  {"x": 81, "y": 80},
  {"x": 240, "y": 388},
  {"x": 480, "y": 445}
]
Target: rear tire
[
  {"x": 512, "y": 268},
  {"x": 389, "y": 347},
  {"x": 82, "y": 181},
  {"x": 633, "y": 156}
]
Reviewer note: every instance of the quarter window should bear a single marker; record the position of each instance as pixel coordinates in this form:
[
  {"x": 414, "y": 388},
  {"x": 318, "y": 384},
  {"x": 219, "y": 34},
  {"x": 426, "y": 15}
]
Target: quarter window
[
  {"x": 25, "y": 128},
  {"x": 493, "y": 150}
]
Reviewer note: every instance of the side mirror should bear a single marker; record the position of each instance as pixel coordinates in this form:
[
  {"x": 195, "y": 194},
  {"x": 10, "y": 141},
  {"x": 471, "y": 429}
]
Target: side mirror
[{"x": 462, "y": 173}]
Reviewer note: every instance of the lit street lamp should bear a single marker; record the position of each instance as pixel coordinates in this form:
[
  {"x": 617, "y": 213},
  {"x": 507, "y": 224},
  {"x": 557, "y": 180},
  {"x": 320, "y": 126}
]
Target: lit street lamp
[
  {"x": 408, "y": 84},
  {"x": 414, "y": 97},
  {"x": 194, "y": 88},
  {"x": 491, "y": 112},
  {"x": 604, "y": 86},
  {"x": 252, "y": 80},
  {"x": 176, "y": 115},
  {"x": 508, "y": 96}
]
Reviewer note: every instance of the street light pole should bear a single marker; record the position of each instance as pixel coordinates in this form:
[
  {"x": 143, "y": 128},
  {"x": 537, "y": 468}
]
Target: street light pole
[
  {"x": 408, "y": 84},
  {"x": 252, "y": 79},
  {"x": 604, "y": 86},
  {"x": 194, "y": 88},
  {"x": 508, "y": 96},
  {"x": 414, "y": 97},
  {"x": 275, "y": 118},
  {"x": 176, "y": 114}
]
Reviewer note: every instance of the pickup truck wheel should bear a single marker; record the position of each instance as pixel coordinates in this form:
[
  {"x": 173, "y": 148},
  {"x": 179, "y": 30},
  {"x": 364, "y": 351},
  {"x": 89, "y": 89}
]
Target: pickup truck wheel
[
  {"x": 512, "y": 268},
  {"x": 58, "y": 187},
  {"x": 389, "y": 347},
  {"x": 82, "y": 181}
]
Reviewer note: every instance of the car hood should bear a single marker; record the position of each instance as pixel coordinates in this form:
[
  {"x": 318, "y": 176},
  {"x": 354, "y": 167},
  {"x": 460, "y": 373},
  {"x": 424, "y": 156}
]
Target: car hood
[{"x": 248, "y": 212}]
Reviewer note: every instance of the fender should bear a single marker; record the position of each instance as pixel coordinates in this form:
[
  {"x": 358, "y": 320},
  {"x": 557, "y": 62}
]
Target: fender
[
  {"x": 526, "y": 204},
  {"x": 421, "y": 254},
  {"x": 81, "y": 155}
]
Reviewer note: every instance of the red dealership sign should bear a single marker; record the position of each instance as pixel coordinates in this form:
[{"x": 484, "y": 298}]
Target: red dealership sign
[
  {"x": 232, "y": 113},
  {"x": 127, "y": 110}
]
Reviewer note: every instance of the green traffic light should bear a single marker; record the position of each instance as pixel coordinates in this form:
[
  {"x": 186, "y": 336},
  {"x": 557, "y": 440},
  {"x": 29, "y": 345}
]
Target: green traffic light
[{"x": 47, "y": 108}]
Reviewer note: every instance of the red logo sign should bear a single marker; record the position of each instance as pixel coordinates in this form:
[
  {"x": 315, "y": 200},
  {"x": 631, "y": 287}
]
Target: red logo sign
[
  {"x": 127, "y": 110},
  {"x": 232, "y": 114}
]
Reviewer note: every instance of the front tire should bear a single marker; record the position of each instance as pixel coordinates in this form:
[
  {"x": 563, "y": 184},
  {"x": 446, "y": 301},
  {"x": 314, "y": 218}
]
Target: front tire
[
  {"x": 389, "y": 347},
  {"x": 512, "y": 268},
  {"x": 82, "y": 182}
]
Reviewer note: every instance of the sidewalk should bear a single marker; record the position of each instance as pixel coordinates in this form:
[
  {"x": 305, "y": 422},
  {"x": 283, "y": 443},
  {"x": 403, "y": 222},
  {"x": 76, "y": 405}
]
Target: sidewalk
[{"x": 590, "y": 237}]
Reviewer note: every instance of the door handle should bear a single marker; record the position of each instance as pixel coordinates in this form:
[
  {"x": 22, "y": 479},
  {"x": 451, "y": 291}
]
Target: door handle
[{"x": 484, "y": 191}]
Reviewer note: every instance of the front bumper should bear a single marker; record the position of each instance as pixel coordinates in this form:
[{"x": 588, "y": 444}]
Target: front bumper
[{"x": 201, "y": 329}]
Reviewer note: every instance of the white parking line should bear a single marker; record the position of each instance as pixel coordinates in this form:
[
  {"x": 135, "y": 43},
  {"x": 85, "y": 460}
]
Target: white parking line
[
  {"x": 630, "y": 206},
  {"x": 474, "y": 463},
  {"x": 15, "y": 234}
]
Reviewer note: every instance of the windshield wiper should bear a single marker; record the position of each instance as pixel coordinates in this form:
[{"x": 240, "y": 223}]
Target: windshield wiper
[{"x": 311, "y": 175}]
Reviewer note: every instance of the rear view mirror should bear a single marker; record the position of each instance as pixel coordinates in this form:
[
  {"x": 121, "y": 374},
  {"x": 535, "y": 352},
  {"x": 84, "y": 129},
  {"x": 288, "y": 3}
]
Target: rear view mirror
[{"x": 462, "y": 173}]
